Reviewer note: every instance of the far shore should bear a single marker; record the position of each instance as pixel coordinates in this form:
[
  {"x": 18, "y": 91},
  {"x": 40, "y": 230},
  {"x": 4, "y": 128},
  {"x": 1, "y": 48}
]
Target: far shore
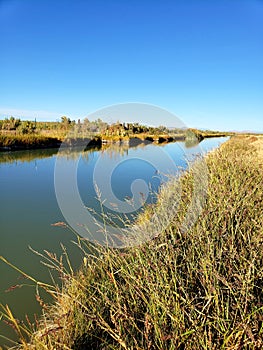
[{"x": 14, "y": 142}]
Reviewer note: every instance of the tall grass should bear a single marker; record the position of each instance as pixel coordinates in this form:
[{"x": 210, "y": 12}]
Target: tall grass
[{"x": 199, "y": 288}]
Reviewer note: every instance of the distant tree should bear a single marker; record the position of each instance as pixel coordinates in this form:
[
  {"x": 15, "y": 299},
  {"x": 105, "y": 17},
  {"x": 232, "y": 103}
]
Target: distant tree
[
  {"x": 162, "y": 129},
  {"x": 65, "y": 122}
]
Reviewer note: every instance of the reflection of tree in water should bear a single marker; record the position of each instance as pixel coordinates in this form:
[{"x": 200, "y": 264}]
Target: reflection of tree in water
[
  {"x": 27, "y": 156},
  {"x": 73, "y": 153},
  {"x": 111, "y": 150},
  {"x": 31, "y": 155},
  {"x": 115, "y": 150},
  {"x": 189, "y": 143}
]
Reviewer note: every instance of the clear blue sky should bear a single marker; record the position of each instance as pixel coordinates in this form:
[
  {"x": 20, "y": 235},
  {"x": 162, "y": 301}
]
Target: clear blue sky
[{"x": 200, "y": 59}]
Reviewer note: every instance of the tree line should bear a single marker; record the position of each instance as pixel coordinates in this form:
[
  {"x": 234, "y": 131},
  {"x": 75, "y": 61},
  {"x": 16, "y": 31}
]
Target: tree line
[{"x": 97, "y": 126}]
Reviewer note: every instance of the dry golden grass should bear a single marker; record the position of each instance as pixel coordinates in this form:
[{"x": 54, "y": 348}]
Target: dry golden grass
[{"x": 259, "y": 146}]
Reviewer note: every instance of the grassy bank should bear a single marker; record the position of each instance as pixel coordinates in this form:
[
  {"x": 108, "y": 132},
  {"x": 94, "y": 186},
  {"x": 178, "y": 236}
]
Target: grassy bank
[
  {"x": 29, "y": 141},
  {"x": 37, "y": 137},
  {"x": 12, "y": 142},
  {"x": 199, "y": 288}
]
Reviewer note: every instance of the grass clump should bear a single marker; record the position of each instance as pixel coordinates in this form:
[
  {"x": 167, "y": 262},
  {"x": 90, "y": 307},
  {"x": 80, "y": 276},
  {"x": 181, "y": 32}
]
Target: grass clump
[{"x": 199, "y": 288}]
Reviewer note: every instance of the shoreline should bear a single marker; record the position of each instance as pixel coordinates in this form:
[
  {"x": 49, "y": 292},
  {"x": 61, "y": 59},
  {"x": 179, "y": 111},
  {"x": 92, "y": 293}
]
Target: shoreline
[{"x": 10, "y": 143}]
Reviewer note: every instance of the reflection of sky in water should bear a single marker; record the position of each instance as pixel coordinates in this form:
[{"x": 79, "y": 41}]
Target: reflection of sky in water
[
  {"x": 136, "y": 163},
  {"x": 149, "y": 163}
]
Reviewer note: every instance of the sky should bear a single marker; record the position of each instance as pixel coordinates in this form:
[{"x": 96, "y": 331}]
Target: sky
[{"x": 202, "y": 60}]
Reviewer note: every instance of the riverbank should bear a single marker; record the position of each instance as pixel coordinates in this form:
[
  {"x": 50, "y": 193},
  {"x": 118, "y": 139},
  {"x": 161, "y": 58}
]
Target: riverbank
[
  {"x": 14, "y": 142},
  {"x": 189, "y": 289}
]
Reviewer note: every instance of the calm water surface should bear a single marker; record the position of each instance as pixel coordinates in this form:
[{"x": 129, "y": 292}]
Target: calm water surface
[{"x": 29, "y": 207}]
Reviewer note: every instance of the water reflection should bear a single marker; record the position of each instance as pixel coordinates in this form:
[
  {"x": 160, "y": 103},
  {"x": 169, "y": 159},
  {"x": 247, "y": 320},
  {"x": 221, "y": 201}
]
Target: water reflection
[
  {"x": 189, "y": 143},
  {"x": 74, "y": 152},
  {"x": 27, "y": 156},
  {"x": 111, "y": 149}
]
